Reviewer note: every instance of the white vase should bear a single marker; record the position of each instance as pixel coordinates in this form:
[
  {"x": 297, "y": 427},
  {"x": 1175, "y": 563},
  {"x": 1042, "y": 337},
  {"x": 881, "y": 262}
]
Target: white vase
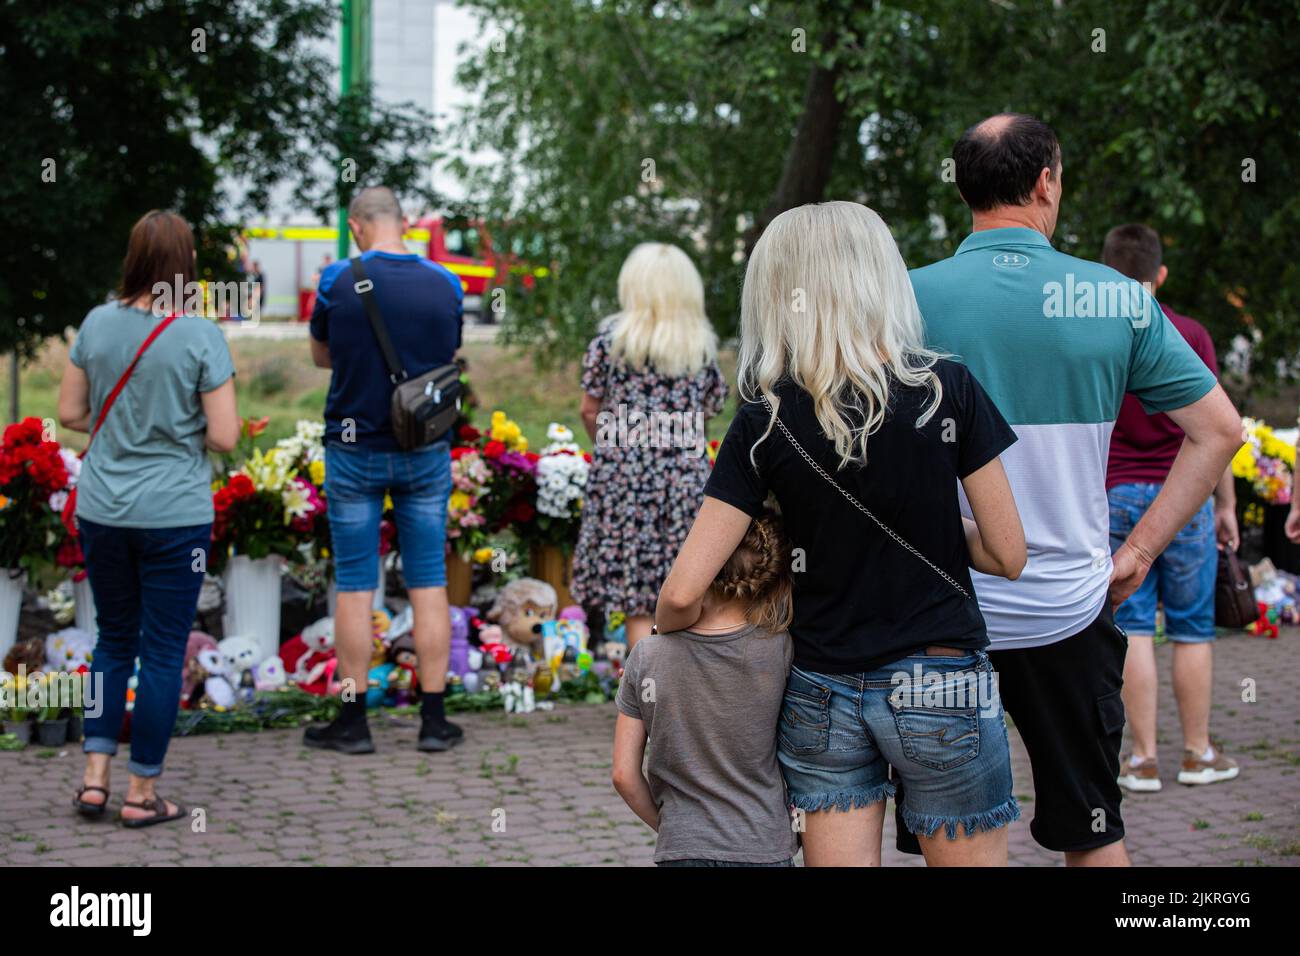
[
  {"x": 85, "y": 606},
  {"x": 253, "y": 602},
  {"x": 331, "y": 593},
  {"x": 11, "y": 602}
]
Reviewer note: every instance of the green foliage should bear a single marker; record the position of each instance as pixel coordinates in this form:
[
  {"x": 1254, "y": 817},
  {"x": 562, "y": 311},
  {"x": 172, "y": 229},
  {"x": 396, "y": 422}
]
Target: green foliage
[
  {"x": 1155, "y": 128},
  {"x": 136, "y": 111}
]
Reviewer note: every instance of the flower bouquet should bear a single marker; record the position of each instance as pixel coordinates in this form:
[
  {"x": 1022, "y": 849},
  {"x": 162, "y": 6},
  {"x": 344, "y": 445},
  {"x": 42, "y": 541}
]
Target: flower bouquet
[
  {"x": 561, "y": 478},
  {"x": 492, "y": 476},
  {"x": 1265, "y": 462},
  {"x": 33, "y": 480}
]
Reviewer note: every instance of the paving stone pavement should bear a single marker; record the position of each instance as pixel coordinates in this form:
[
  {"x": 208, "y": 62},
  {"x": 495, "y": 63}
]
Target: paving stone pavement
[{"x": 534, "y": 790}]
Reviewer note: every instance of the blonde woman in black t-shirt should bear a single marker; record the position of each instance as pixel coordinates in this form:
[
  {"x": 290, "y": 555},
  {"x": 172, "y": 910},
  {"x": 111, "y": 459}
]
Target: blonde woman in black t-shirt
[{"x": 867, "y": 440}]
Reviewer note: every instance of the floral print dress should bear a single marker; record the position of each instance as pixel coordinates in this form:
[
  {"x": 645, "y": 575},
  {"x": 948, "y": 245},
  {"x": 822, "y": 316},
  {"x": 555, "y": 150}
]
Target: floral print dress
[{"x": 649, "y": 467}]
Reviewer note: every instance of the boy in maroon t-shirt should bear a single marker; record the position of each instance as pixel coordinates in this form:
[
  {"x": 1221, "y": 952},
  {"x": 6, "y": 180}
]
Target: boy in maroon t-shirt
[{"x": 1142, "y": 449}]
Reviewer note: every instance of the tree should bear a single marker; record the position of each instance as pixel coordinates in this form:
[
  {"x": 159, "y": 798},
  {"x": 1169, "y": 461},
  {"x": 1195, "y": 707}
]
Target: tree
[
  {"x": 749, "y": 109},
  {"x": 113, "y": 108}
]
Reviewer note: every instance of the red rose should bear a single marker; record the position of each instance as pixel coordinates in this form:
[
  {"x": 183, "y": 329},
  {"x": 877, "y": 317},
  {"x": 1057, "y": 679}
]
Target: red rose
[
  {"x": 241, "y": 487},
  {"x": 469, "y": 433},
  {"x": 524, "y": 511},
  {"x": 460, "y": 451},
  {"x": 29, "y": 431},
  {"x": 494, "y": 449},
  {"x": 532, "y": 456}
]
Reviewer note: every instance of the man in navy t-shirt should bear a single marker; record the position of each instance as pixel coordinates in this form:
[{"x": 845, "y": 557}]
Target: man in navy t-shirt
[{"x": 421, "y": 304}]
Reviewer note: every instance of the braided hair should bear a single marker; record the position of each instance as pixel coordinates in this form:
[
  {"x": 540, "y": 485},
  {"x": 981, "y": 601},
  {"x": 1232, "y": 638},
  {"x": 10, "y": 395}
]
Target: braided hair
[{"x": 758, "y": 573}]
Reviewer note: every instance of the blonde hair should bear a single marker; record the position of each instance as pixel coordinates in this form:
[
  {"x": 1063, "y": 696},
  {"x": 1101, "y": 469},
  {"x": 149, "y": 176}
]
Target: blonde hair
[
  {"x": 828, "y": 304},
  {"x": 662, "y": 324},
  {"x": 758, "y": 572}
]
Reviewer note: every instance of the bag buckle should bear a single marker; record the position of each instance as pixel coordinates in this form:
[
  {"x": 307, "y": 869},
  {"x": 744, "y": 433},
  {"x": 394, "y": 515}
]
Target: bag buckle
[{"x": 363, "y": 286}]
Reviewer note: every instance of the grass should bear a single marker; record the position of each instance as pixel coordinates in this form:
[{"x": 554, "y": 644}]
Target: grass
[{"x": 276, "y": 380}]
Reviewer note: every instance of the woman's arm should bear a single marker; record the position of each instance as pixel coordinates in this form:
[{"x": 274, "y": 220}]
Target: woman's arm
[
  {"x": 590, "y": 411},
  {"x": 717, "y": 531},
  {"x": 629, "y": 781},
  {"x": 223, "y": 417},
  {"x": 74, "y": 399},
  {"x": 996, "y": 539}
]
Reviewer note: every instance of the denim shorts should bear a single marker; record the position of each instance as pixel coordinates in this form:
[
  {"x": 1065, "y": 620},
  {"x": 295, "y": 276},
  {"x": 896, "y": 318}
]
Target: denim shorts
[
  {"x": 936, "y": 720},
  {"x": 1182, "y": 577},
  {"x": 356, "y": 480}
]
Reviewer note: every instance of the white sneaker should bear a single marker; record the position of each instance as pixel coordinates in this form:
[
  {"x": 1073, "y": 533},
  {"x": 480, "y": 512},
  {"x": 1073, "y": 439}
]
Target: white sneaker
[
  {"x": 1144, "y": 777},
  {"x": 1196, "y": 769}
]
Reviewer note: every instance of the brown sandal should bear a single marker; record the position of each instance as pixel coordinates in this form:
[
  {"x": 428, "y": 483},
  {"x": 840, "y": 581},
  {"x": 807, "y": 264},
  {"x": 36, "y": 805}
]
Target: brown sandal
[
  {"x": 92, "y": 811},
  {"x": 160, "y": 815}
]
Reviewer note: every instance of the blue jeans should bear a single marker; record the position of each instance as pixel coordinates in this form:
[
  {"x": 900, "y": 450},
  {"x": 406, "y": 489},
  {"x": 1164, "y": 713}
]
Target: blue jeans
[
  {"x": 937, "y": 720},
  {"x": 356, "y": 480},
  {"x": 146, "y": 584},
  {"x": 1182, "y": 577}
]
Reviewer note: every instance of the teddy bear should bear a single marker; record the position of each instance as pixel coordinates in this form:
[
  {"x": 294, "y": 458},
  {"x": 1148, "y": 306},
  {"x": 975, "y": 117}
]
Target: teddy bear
[
  {"x": 218, "y": 688},
  {"x": 241, "y": 655},
  {"x": 305, "y": 657},
  {"x": 520, "y": 608},
  {"x": 69, "y": 650},
  {"x": 192, "y": 673},
  {"x": 28, "y": 655},
  {"x": 269, "y": 674}
]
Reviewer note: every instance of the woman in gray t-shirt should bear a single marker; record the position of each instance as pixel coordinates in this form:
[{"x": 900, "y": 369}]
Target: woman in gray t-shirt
[{"x": 144, "y": 501}]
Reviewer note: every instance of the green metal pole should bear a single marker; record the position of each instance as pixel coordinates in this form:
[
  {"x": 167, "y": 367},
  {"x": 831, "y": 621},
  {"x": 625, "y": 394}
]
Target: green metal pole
[
  {"x": 354, "y": 72},
  {"x": 345, "y": 84}
]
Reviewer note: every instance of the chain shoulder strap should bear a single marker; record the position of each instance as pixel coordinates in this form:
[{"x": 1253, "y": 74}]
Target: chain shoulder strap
[{"x": 781, "y": 426}]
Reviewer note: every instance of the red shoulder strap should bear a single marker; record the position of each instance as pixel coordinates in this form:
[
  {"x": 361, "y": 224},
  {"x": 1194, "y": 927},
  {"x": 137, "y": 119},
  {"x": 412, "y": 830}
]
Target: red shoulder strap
[{"x": 121, "y": 382}]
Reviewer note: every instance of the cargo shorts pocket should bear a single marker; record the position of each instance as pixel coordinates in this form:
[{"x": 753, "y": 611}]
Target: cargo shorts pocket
[
  {"x": 938, "y": 737},
  {"x": 805, "y": 725}
]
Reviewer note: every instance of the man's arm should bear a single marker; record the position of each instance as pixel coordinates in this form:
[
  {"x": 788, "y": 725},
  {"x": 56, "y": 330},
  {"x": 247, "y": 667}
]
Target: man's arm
[
  {"x": 320, "y": 353},
  {"x": 1225, "y": 511},
  {"x": 1213, "y": 430}
]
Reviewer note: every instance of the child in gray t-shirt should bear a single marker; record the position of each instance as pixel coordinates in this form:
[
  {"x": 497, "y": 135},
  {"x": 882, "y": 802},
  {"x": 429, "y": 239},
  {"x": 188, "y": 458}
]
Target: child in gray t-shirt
[{"x": 708, "y": 698}]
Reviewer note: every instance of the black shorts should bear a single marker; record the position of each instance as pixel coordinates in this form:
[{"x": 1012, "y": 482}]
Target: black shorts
[{"x": 1064, "y": 699}]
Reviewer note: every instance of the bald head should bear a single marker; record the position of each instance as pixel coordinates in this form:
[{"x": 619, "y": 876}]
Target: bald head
[
  {"x": 375, "y": 203},
  {"x": 999, "y": 160}
]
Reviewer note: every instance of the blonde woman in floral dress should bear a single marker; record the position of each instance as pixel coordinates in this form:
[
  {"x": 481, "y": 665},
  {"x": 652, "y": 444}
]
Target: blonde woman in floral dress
[{"x": 651, "y": 381}]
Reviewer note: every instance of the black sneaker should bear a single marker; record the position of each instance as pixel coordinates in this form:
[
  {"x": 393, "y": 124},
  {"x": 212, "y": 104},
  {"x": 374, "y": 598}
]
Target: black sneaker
[
  {"x": 439, "y": 734},
  {"x": 353, "y": 739}
]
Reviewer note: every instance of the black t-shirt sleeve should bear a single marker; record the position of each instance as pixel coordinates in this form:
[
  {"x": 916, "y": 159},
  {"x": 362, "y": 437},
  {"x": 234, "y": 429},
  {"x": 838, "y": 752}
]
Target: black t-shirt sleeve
[
  {"x": 733, "y": 478},
  {"x": 985, "y": 433}
]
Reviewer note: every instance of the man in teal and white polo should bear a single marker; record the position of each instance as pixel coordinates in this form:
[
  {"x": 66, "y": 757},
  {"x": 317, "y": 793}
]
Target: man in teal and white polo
[{"x": 1056, "y": 342}]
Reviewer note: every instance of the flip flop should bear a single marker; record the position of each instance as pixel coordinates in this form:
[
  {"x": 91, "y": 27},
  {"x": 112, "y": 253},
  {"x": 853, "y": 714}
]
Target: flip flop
[
  {"x": 159, "y": 806},
  {"x": 92, "y": 811}
]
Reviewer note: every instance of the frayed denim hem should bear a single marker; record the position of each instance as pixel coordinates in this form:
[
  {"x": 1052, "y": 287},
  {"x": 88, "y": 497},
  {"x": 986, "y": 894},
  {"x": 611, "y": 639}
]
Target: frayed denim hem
[
  {"x": 925, "y": 825},
  {"x": 844, "y": 800}
]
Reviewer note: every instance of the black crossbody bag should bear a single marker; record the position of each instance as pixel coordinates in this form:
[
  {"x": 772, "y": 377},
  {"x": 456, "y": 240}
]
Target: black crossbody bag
[{"x": 423, "y": 409}]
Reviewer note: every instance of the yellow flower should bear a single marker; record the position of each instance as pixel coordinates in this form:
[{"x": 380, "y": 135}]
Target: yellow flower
[
  {"x": 1243, "y": 463},
  {"x": 522, "y": 444},
  {"x": 388, "y": 502},
  {"x": 482, "y": 555},
  {"x": 459, "y": 500},
  {"x": 4, "y": 502},
  {"x": 316, "y": 471}
]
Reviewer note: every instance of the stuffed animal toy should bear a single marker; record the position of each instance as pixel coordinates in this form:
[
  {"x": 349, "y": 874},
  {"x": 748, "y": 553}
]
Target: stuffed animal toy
[
  {"x": 305, "y": 657},
  {"x": 192, "y": 673},
  {"x": 403, "y": 679},
  {"x": 461, "y": 618},
  {"x": 377, "y": 684},
  {"x": 520, "y": 609},
  {"x": 269, "y": 674},
  {"x": 218, "y": 688},
  {"x": 69, "y": 650},
  {"x": 28, "y": 655},
  {"x": 241, "y": 657}
]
